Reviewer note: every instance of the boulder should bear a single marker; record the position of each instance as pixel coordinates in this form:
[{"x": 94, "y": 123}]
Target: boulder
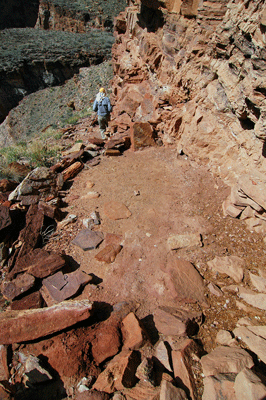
[
  {"x": 220, "y": 386},
  {"x": 120, "y": 372},
  {"x": 133, "y": 334},
  {"x": 40, "y": 263},
  {"x": 142, "y": 135},
  {"x": 63, "y": 286},
  {"x": 184, "y": 281},
  {"x": 32, "y": 300},
  {"x": 22, "y": 326},
  {"x": 257, "y": 300},
  {"x": 255, "y": 338},
  {"x": 183, "y": 365},
  {"x": 223, "y": 360},
  {"x": 232, "y": 266},
  {"x": 18, "y": 286},
  {"x": 88, "y": 239},
  {"x": 176, "y": 321},
  {"x": 169, "y": 391},
  {"x": 108, "y": 253},
  {"x": 248, "y": 386}
]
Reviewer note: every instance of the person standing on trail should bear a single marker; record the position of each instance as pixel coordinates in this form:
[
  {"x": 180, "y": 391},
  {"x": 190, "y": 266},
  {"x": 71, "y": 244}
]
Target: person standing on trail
[{"x": 103, "y": 107}]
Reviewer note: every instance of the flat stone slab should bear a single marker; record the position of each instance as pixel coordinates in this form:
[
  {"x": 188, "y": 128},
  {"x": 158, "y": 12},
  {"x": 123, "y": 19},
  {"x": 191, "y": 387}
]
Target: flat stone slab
[
  {"x": 254, "y": 186},
  {"x": 88, "y": 239},
  {"x": 63, "y": 286},
  {"x": 259, "y": 282},
  {"x": 220, "y": 386},
  {"x": 18, "y": 286},
  {"x": 23, "y": 326},
  {"x": 249, "y": 386},
  {"x": 232, "y": 266},
  {"x": 184, "y": 281},
  {"x": 255, "y": 300},
  {"x": 115, "y": 210},
  {"x": 176, "y": 322},
  {"x": 40, "y": 263},
  {"x": 252, "y": 338},
  {"x": 109, "y": 253},
  {"x": 176, "y": 242},
  {"x": 223, "y": 360}
]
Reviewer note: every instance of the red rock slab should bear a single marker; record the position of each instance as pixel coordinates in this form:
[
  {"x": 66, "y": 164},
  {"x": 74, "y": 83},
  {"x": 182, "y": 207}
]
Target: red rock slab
[
  {"x": 49, "y": 211},
  {"x": 184, "y": 281},
  {"x": 29, "y": 235},
  {"x": 115, "y": 210},
  {"x": 183, "y": 362},
  {"x": 63, "y": 286},
  {"x": 142, "y": 135},
  {"x": 109, "y": 253},
  {"x": 22, "y": 326},
  {"x": 176, "y": 322},
  {"x": 88, "y": 239},
  {"x": 32, "y": 300},
  {"x": 120, "y": 372},
  {"x": 39, "y": 263},
  {"x": 5, "y": 219},
  {"x": 112, "y": 238},
  {"x": 18, "y": 286},
  {"x": 4, "y": 370},
  {"x": 133, "y": 334}
]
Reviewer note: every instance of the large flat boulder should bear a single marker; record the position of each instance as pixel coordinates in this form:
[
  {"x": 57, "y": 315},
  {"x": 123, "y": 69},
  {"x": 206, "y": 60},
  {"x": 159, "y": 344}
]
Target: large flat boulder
[
  {"x": 184, "y": 281},
  {"x": 223, "y": 360},
  {"x": 22, "y": 326}
]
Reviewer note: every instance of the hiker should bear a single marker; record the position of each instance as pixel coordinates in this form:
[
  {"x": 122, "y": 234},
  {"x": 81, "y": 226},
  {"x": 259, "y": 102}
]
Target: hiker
[{"x": 103, "y": 107}]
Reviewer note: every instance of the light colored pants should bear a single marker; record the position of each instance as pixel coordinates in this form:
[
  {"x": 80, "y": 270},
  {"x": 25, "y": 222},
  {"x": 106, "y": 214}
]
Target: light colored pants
[{"x": 103, "y": 123}]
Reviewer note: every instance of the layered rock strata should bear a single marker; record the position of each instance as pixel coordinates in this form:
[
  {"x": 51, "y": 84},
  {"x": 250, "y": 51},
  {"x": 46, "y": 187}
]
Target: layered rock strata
[{"x": 195, "y": 71}]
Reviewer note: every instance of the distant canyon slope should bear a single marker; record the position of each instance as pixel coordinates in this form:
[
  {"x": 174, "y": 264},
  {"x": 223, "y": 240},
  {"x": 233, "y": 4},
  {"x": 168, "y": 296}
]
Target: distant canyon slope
[
  {"x": 195, "y": 71},
  {"x": 44, "y": 43}
]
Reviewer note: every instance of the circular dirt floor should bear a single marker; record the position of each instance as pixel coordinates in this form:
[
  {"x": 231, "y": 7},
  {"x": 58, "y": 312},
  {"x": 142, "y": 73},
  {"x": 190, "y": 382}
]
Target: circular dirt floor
[{"x": 166, "y": 194}]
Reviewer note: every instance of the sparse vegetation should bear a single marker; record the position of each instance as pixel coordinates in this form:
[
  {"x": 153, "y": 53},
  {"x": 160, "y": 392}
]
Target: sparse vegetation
[{"x": 41, "y": 151}]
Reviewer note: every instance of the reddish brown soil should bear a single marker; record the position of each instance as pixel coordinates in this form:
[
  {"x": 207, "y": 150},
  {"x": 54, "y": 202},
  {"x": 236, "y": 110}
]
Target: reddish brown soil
[{"x": 175, "y": 196}]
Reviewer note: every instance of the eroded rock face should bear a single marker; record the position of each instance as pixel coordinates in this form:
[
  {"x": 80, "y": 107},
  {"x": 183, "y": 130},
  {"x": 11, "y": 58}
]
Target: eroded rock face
[{"x": 203, "y": 78}]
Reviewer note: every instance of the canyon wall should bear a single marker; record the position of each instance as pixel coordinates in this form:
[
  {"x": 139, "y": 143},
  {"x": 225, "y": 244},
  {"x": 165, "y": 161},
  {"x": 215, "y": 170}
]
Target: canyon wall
[
  {"x": 195, "y": 72},
  {"x": 74, "y": 16}
]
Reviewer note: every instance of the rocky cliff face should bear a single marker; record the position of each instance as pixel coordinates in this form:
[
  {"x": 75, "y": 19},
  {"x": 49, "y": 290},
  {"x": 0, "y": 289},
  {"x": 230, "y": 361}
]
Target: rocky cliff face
[
  {"x": 195, "y": 72},
  {"x": 74, "y": 16}
]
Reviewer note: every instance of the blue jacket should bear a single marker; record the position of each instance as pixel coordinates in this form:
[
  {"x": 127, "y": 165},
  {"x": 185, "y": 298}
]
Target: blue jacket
[{"x": 103, "y": 107}]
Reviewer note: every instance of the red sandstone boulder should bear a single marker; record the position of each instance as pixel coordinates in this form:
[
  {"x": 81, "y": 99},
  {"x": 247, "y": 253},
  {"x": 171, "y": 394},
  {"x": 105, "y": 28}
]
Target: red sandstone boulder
[
  {"x": 40, "y": 263},
  {"x": 133, "y": 334},
  {"x": 22, "y": 326},
  {"x": 120, "y": 372},
  {"x": 142, "y": 135},
  {"x": 109, "y": 253},
  {"x": 18, "y": 286}
]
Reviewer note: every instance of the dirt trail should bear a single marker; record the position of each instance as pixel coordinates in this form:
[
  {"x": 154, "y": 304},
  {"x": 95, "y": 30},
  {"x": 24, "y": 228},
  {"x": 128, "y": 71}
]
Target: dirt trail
[{"x": 176, "y": 196}]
